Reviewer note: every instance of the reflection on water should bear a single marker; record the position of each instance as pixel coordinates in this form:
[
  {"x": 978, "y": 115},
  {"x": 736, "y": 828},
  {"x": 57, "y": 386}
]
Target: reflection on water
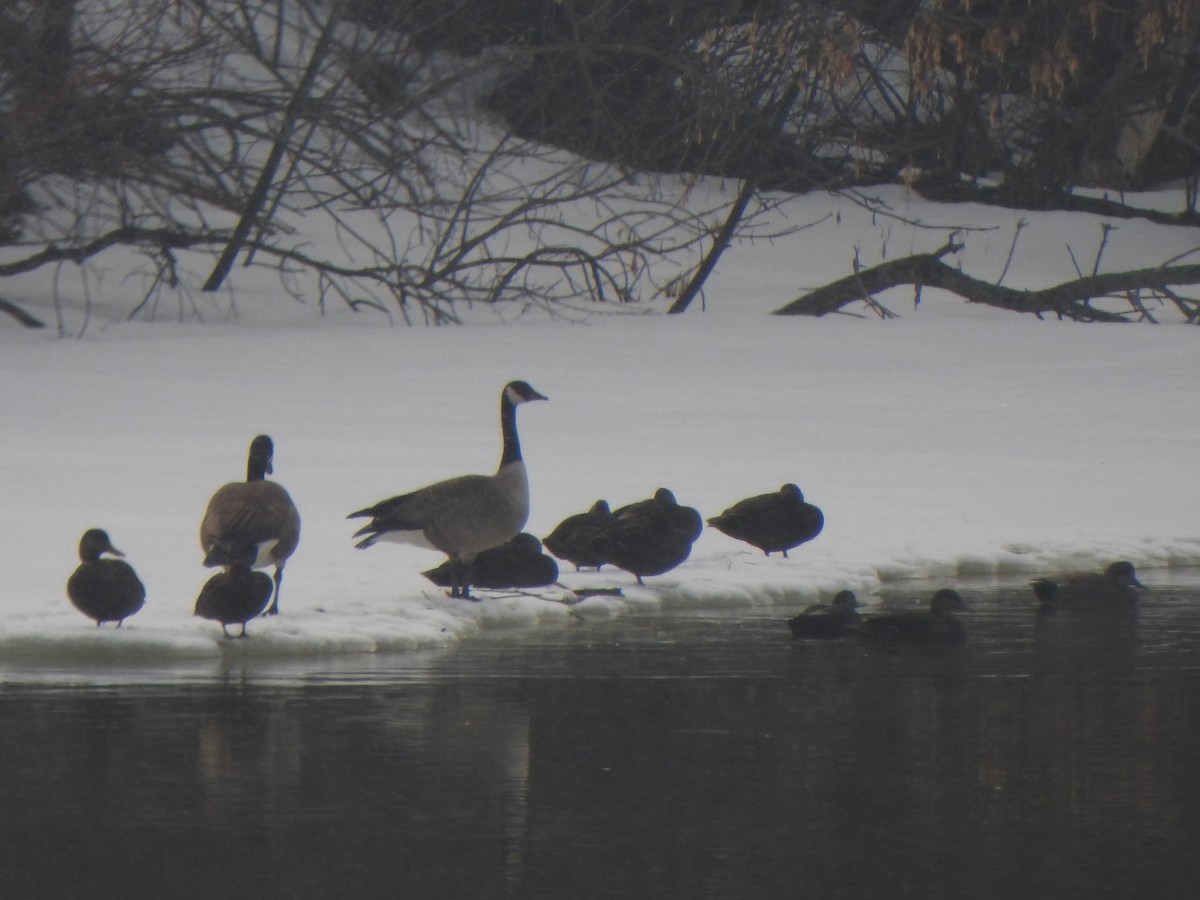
[{"x": 667, "y": 756}]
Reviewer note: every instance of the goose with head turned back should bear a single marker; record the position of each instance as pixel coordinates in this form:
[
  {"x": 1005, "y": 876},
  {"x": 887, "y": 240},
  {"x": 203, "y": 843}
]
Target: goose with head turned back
[
  {"x": 107, "y": 590},
  {"x": 465, "y": 515},
  {"x": 253, "y": 522},
  {"x": 234, "y": 597},
  {"x": 574, "y": 538},
  {"x": 771, "y": 522}
]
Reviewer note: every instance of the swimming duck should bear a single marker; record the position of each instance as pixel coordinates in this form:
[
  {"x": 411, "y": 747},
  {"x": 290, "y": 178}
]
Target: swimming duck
[
  {"x": 780, "y": 520},
  {"x": 520, "y": 563},
  {"x": 838, "y": 618},
  {"x": 234, "y": 596},
  {"x": 466, "y": 515},
  {"x": 1078, "y": 590},
  {"x": 936, "y": 626},
  {"x": 253, "y": 522},
  {"x": 107, "y": 590},
  {"x": 650, "y": 537},
  {"x": 573, "y": 539}
]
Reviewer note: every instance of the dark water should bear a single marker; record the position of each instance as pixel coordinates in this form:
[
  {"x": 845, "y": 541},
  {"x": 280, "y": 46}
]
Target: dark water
[{"x": 675, "y": 755}]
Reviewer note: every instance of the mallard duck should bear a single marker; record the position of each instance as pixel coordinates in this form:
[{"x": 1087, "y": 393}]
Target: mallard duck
[
  {"x": 520, "y": 563},
  {"x": 234, "y": 596},
  {"x": 107, "y": 590},
  {"x": 936, "y": 626},
  {"x": 574, "y": 538},
  {"x": 1118, "y": 583},
  {"x": 650, "y": 537},
  {"x": 838, "y": 618},
  {"x": 778, "y": 521}
]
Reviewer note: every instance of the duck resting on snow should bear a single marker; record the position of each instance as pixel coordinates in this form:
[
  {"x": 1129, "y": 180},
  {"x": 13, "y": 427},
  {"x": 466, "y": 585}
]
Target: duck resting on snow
[{"x": 778, "y": 521}]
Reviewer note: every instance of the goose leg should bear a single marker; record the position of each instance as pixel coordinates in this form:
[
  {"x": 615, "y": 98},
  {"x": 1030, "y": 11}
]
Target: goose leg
[
  {"x": 460, "y": 581},
  {"x": 460, "y": 578},
  {"x": 273, "y": 609},
  {"x": 468, "y": 571}
]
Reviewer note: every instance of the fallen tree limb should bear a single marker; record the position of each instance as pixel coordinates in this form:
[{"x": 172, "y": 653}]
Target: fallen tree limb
[
  {"x": 1051, "y": 200},
  {"x": 20, "y": 315},
  {"x": 1071, "y": 299}
]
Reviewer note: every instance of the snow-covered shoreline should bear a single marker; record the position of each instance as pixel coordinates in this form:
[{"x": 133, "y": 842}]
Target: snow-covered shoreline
[{"x": 937, "y": 446}]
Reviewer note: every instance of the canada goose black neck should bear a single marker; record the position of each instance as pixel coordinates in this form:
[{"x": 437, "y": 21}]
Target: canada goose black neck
[
  {"x": 514, "y": 393},
  {"x": 259, "y": 463},
  {"x": 508, "y": 428}
]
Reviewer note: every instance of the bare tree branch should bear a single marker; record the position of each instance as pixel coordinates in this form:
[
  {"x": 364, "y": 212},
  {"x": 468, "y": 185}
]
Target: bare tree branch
[
  {"x": 20, "y": 315},
  {"x": 1071, "y": 299}
]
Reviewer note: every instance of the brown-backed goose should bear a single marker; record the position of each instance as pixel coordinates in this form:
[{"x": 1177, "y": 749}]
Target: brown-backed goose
[
  {"x": 253, "y": 522},
  {"x": 466, "y": 515}
]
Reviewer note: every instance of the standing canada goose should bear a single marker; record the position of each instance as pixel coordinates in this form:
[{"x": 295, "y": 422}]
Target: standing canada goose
[
  {"x": 234, "y": 596},
  {"x": 651, "y": 536},
  {"x": 107, "y": 590},
  {"x": 1081, "y": 590},
  {"x": 253, "y": 522},
  {"x": 936, "y": 626},
  {"x": 465, "y": 515},
  {"x": 780, "y": 520},
  {"x": 838, "y": 618},
  {"x": 519, "y": 563},
  {"x": 574, "y": 538}
]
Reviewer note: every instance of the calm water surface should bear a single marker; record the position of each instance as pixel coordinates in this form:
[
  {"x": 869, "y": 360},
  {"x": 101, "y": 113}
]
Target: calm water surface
[{"x": 675, "y": 755}]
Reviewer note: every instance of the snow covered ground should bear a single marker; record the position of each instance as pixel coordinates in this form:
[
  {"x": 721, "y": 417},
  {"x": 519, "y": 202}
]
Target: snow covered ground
[{"x": 950, "y": 443}]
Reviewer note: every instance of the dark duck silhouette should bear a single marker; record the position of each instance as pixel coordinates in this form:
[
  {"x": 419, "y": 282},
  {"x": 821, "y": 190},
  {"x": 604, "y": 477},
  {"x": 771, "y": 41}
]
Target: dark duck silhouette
[
  {"x": 1116, "y": 585},
  {"x": 838, "y": 618},
  {"x": 650, "y": 537},
  {"x": 107, "y": 590},
  {"x": 574, "y": 538},
  {"x": 466, "y": 515},
  {"x": 253, "y": 522},
  {"x": 778, "y": 521},
  {"x": 936, "y": 626},
  {"x": 234, "y": 596},
  {"x": 520, "y": 563}
]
